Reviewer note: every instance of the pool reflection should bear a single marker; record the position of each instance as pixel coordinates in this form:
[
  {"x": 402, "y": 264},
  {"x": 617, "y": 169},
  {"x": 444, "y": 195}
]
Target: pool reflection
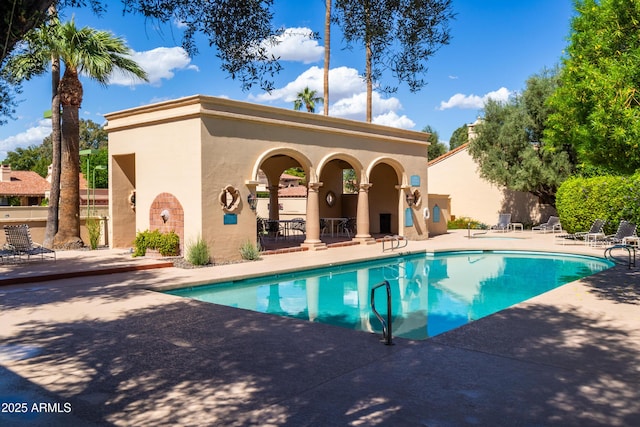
[{"x": 430, "y": 295}]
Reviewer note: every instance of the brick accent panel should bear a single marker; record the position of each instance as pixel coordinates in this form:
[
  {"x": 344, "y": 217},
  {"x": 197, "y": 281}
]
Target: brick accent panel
[{"x": 167, "y": 202}]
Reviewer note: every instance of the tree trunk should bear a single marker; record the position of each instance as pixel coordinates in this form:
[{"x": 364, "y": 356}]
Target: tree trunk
[
  {"x": 368, "y": 77},
  {"x": 68, "y": 235},
  {"x": 54, "y": 193},
  {"x": 327, "y": 55}
]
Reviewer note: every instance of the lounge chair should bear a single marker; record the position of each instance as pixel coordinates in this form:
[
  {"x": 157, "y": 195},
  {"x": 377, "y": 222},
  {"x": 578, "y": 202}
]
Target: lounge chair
[
  {"x": 552, "y": 225},
  {"x": 594, "y": 232},
  {"x": 625, "y": 229},
  {"x": 6, "y": 255},
  {"x": 20, "y": 243},
  {"x": 504, "y": 222}
]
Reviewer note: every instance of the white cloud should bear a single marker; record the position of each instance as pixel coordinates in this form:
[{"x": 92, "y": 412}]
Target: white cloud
[
  {"x": 159, "y": 63},
  {"x": 392, "y": 119},
  {"x": 32, "y": 136},
  {"x": 347, "y": 96},
  {"x": 343, "y": 81},
  {"x": 356, "y": 106},
  {"x": 295, "y": 44},
  {"x": 384, "y": 110},
  {"x": 474, "y": 101},
  {"x": 179, "y": 24}
]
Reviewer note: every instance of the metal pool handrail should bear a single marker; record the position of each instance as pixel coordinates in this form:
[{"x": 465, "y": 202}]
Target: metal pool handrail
[
  {"x": 386, "y": 326},
  {"x": 631, "y": 252},
  {"x": 395, "y": 242}
]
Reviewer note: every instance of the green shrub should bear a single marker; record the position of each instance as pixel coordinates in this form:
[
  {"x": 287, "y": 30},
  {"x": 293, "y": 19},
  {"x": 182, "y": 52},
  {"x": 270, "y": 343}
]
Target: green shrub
[
  {"x": 93, "y": 228},
  {"x": 168, "y": 244},
  {"x": 198, "y": 252},
  {"x": 250, "y": 251},
  {"x": 465, "y": 222},
  {"x": 579, "y": 201}
]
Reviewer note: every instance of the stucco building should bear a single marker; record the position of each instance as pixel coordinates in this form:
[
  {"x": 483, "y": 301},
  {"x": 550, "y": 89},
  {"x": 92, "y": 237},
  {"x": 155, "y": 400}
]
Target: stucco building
[
  {"x": 192, "y": 165},
  {"x": 456, "y": 173}
]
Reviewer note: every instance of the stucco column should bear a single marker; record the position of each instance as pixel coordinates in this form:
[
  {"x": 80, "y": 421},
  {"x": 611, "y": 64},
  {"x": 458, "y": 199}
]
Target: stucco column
[
  {"x": 274, "y": 208},
  {"x": 362, "y": 220},
  {"x": 313, "y": 218}
]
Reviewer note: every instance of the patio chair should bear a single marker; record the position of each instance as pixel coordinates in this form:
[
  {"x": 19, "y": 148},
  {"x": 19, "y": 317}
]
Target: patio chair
[
  {"x": 298, "y": 224},
  {"x": 20, "y": 243},
  {"x": 625, "y": 229},
  {"x": 261, "y": 228},
  {"x": 324, "y": 228},
  {"x": 504, "y": 219},
  {"x": 347, "y": 226},
  {"x": 594, "y": 232},
  {"x": 552, "y": 225}
]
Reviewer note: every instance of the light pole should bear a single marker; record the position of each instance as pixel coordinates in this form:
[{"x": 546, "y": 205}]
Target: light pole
[
  {"x": 88, "y": 152},
  {"x": 99, "y": 168}
]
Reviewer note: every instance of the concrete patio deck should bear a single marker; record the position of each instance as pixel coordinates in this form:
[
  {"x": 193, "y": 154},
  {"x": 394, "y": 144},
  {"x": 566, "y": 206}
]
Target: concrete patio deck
[{"x": 106, "y": 350}]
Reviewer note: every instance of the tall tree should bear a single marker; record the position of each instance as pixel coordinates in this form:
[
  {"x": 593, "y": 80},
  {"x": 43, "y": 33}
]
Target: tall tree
[
  {"x": 17, "y": 18},
  {"x": 41, "y": 51},
  {"x": 597, "y": 106},
  {"x": 53, "y": 212},
  {"x": 307, "y": 98},
  {"x": 233, "y": 27},
  {"x": 398, "y": 36},
  {"x": 458, "y": 137},
  {"x": 38, "y": 158},
  {"x": 327, "y": 54},
  {"x": 35, "y": 158},
  {"x": 97, "y": 54},
  {"x": 437, "y": 148},
  {"x": 510, "y": 149}
]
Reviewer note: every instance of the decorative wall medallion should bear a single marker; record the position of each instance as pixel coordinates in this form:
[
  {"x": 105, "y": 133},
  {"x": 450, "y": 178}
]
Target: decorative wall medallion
[
  {"x": 417, "y": 198},
  {"x": 331, "y": 198},
  {"x": 132, "y": 200},
  {"x": 229, "y": 198}
]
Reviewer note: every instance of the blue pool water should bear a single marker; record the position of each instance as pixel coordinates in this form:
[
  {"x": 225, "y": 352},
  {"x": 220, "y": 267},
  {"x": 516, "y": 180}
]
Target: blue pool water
[{"x": 430, "y": 294}]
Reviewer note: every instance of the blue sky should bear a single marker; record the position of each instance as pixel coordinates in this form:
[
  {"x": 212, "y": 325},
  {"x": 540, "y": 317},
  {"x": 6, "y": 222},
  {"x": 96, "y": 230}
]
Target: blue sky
[{"x": 496, "y": 45}]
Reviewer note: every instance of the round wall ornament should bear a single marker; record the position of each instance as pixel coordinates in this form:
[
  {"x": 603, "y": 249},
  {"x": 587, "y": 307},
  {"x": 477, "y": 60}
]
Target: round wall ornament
[
  {"x": 331, "y": 198},
  {"x": 229, "y": 198}
]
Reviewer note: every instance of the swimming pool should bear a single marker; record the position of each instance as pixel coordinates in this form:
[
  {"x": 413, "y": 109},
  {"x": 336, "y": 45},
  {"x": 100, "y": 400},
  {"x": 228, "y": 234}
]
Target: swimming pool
[{"x": 430, "y": 294}]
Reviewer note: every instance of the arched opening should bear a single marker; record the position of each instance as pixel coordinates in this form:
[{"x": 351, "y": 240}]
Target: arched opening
[
  {"x": 385, "y": 210},
  {"x": 281, "y": 199},
  {"x": 338, "y": 198}
]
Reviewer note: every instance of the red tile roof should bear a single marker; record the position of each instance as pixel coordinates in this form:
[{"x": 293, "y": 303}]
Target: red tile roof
[
  {"x": 24, "y": 183},
  {"x": 297, "y": 191}
]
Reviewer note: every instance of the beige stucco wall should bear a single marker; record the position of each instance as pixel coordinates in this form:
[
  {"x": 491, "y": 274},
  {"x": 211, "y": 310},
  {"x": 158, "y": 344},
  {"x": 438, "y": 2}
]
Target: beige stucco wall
[
  {"x": 439, "y": 213},
  {"x": 471, "y": 196},
  {"x": 194, "y": 147}
]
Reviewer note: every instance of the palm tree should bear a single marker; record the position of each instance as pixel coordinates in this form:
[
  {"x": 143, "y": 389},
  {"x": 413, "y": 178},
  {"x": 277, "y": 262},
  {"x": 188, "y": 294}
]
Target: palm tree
[
  {"x": 96, "y": 54},
  {"x": 32, "y": 61},
  {"x": 307, "y": 98}
]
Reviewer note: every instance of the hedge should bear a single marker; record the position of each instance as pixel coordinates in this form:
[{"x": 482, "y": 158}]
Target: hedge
[{"x": 580, "y": 201}]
